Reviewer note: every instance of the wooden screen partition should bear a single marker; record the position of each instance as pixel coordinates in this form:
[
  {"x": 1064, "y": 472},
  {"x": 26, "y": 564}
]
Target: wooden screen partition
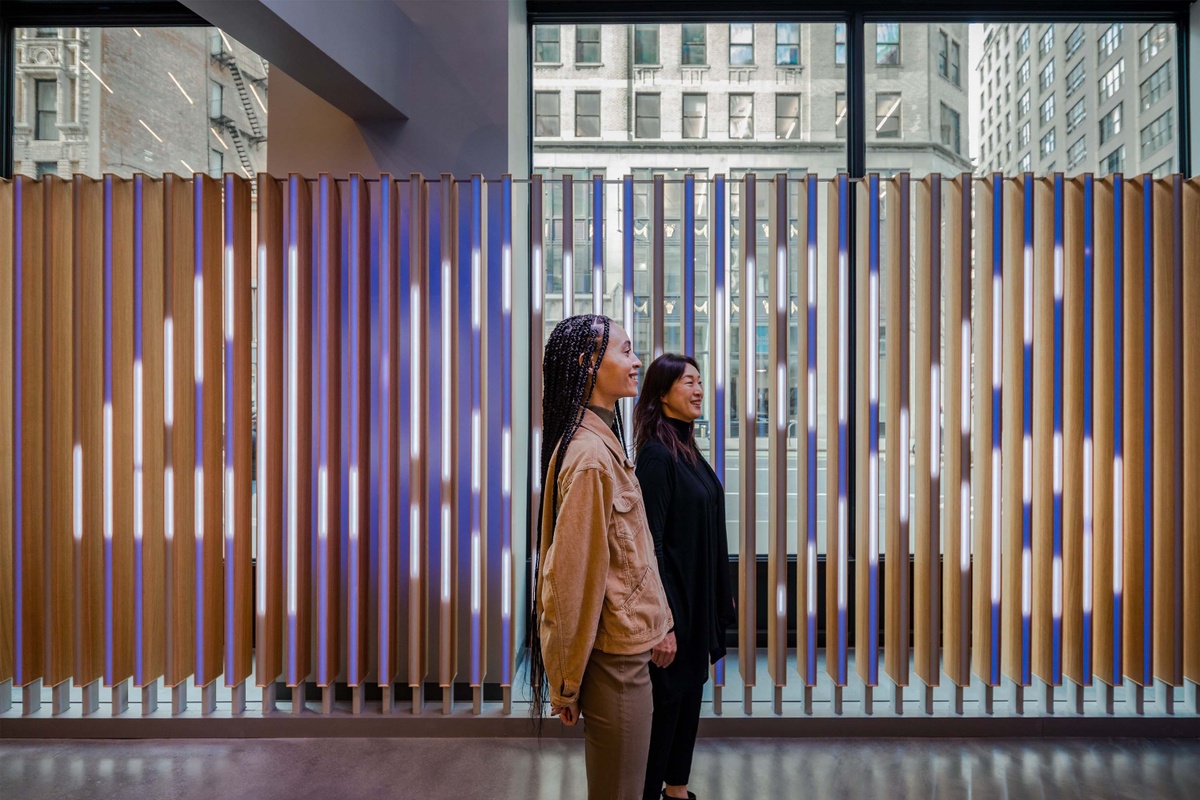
[{"x": 261, "y": 431}]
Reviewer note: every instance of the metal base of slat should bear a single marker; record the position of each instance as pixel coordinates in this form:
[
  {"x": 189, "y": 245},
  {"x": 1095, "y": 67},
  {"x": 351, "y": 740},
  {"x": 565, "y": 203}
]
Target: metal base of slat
[
  {"x": 150, "y": 698},
  {"x": 1139, "y": 699},
  {"x": 1047, "y": 694},
  {"x": 778, "y": 704},
  {"x": 898, "y": 699},
  {"x": 837, "y": 700},
  {"x": 91, "y": 698},
  {"x": 385, "y": 707},
  {"x": 476, "y": 699},
  {"x": 5, "y": 696},
  {"x": 748, "y": 700},
  {"x": 237, "y": 699},
  {"x": 326, "y": 700},
  {"x": 356, "y": 699},
  {"x": 1077, "y": 706},
  {"x": 958, "y": 700},
  {"x": 208, "y": 698},
  {"x": 179, "y": 702},
  {"x": 507, "y": 700},
  {"x": 269, "y": 699},
  {"x": 987, "y": 701},
  {"x": 298, "y": 698},
  {"x": 31, "y": 697},
  {"x": 61, "y": 698},
  {"x": 1017, "y": 700},
  {"x": 868, "y": 703},
  {"x": 418, "y": 699},
  {"x": 808, "y": 701},
  {"x": 928, "y": 704},
  {"x": 1191, "y": 691},
  {"x": 717, "y": 700},
  {"x": 1165, "y": 694},
  {"x": 120, "y": 698},
  {"x": 1107, "y": 696}
]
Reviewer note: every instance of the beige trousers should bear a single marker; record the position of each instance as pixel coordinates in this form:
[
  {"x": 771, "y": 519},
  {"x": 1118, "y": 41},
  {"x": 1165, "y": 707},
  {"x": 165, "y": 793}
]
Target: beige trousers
[{"x": 617, "y": 704}]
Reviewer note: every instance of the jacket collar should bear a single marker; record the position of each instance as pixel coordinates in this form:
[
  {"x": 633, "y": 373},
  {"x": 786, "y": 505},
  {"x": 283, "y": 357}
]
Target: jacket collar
[{"x": 593, "y": 423}]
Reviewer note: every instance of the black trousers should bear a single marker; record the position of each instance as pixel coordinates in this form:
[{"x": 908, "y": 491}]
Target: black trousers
[{"x": 672, "y": 739}]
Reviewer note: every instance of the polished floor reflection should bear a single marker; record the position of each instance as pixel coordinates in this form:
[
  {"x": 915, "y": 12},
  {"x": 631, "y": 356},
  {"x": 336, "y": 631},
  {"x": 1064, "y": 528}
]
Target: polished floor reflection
[{"x": 463, "y": 769}]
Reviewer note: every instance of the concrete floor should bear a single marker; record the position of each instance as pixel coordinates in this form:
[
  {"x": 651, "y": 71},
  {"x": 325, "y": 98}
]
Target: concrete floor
[{"x": 464, "y": 769}]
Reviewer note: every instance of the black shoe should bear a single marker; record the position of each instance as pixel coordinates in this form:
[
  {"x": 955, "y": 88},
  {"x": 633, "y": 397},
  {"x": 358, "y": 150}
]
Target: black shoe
[{"x": 691, "y": 796}]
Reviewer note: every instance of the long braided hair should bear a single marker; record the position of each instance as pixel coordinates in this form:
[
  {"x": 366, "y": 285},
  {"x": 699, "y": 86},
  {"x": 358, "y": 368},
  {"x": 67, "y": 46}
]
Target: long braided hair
[{"x": 570, "y": 367}]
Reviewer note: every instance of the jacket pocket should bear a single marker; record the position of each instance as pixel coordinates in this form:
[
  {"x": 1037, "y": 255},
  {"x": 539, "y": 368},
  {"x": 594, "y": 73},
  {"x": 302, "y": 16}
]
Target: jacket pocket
[{"x": 627, "y": 517}]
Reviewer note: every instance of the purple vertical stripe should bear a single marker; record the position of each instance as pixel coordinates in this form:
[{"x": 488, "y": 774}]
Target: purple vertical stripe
[
  {"x": 198, "y": 272},
  {"x": 230, "y": 411},
  {"x": 689, "y": 266},
  {"x": 811, "y": 446},
  {"x": 109, "y": 588},
  {"x": 138, "y": 567},
  {"x": 843, "y": 455},
  {"x": 873, "y": 434}
]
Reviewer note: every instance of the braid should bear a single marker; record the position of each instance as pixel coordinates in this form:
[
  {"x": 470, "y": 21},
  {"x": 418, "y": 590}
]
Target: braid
[{"x": 568, "y": 381}]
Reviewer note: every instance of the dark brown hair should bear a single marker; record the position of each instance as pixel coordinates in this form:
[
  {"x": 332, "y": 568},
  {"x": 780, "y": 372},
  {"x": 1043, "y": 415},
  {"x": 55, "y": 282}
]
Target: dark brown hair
[{"x": 649, "y": 421}]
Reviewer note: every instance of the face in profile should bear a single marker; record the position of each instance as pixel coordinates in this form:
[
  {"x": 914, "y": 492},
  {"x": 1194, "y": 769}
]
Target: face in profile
[
  {"x": 685, "y": 400},
  {"x": 618, "y": 373}
]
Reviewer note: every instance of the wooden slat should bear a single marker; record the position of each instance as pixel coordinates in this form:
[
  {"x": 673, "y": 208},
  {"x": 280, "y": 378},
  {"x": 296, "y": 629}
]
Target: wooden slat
[
  {"x": 418, "y": 385},
  {"x": 1105, "y": 336},
  {"x": 119, "y": 369},
  {"x": 29, "y": 428},
  {"x": 357, "y": 377},
  {"x": 152, "y": 590},
  {"x": 1168, "y": 435},
  {"x": 927, "y": 419},
  {"x": 59, "y": 373},
  {"x": 837, "y": 406},
  {"x": 239, "y": 592},
  {"x": 1013, "y": 652},
  {"x": 986, "y": 534},
  {"x": 956, "y": 577},
  {"x": 777, "y": 443},
  {"x": 1043, "y": 431},
  {"x": 867, "y": 443},
  {"x": 328, "y": 428},
  {"x": 298, "y": 468},
  {"x": 450, "y": 396},
  {"x": 806, "y": 457},
  {"x": 88, "y": 266},
  {"x": 269, "y": 447},
  {"x": 747, "y": 305},
  {"x": 1136, "y": 619},
  {"x": 1191, "y": 432},
  {"x": 898, "y": 604},
  {"x": 179, "y": 442},
  {"x": 385, "y": 392},
  {"x": 1076, "y": 652},
  {"x": 7, "y": 472}
]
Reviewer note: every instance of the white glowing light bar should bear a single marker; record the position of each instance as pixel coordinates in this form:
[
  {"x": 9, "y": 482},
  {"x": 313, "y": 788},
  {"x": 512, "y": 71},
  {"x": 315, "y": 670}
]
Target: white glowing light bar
[
  {"x": 97, "y": 77},
  {"x": 108, "y": 473},
  {"x": 293, "y": 435},
  {"x": 223, "y": 144},
  {"x": 152, "y": 133},
  {"x": 181, "y": 89},
  {"x": 77, "y": 492}
]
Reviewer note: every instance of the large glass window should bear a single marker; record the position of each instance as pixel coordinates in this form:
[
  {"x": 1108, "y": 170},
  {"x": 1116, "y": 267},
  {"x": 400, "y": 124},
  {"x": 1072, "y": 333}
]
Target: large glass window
[
  {"x": 1114, "y": 162},
  {"x": 1157, "y": 86},
  {"x": 1074, "y": 41},
  {"x": 547, "y": 119},
  {"x": 787, "y": 116},
  {"x": 587, "y": 114},
  {"x": 1075, "y": 78},
  {"x": 741, "y": 116},
  {"x": 741, "y": 44},
  {"x": 1153, "y": 42},
  {"x": 887, "y": 43},
  {"x": 46, "y": 128},
  {"x": 1112, "y": 80},
  {"x": 1110, "y": 40},
  {"x": 645, "y": 45},
  {"x": 1047, "y": 113},
  {"x": 1110, "y": 124},
  {"x": 547, "y": 47},
  {"x": 839, "y": 43},
  {"x": 1077, "y": 114},
  {"x": 587, "y": 44},
  {"x": 1157, "y": 134},
  {"x": 648, "y": 116},
  {"x": 695, "y": 44},
  {"x": 695, "y": 116},
  {"x": 1047, "y": 41},
  {"x": 787, "y": 44},
  {"x": 887, "y": 115}
]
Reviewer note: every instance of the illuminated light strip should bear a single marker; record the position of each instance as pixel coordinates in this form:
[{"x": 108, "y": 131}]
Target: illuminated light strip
[
  {"x": 1088, "y": 421},
  {"x": 747, "y": 438},
  {"x": 1027, "y": 441},
  {"x": 382, "y": 490},
  {"x": 873, "y": 434},
  {"x": 843, "y": 412},
  {"x": 97, "y": 77},
  {"x": 182, "y": 90},
  {"x": 964, "y": 378},
  {"x": 689, "y": 265},
  {"x": 904, "y": 499},
  {"x": 326, "y": 456},
  {"x": 292, "y": 326},
  {"x": 568, "y": 245},
  {"x": 627, "y": 311},
  {"x": 778, "y": 452},
  {"x": 139, "y": 421},
  {"x": 449, "y": 353},
  {"x": 152, "y": 133},
  {"x": 230, "y": 439},
  {"x": 257, "y": 99},
  {"x": 810, "y": 490},
  {"x": 507, "y": 664},
  {"x": 1118, "y": 558},
  {"x": 219, "y": 139},
  {"x": 995, "y": 556},
  {"x": 264, "y": 443},
  {"x": 1148, "y": 429},
  {"x": 597, "y": 244},
  {"x": 719, "y": 334},
  {"x": 476, "y": 366},
  {"x": 198, "y": 337},
  {"x": 658, "y": 269},
  {"x": 357, "y": 349},
  {"x": 537, "y": 335},
  {"x": 1056, "y": 586},
  {"x": 110, "y": 588}
]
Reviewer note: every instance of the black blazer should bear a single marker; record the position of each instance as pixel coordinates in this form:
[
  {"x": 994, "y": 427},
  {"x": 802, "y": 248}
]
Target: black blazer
[{"x": 685, "y": 506}]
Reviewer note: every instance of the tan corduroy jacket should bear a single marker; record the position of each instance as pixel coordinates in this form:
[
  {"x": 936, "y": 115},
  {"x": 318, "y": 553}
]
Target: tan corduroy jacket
[{"x": 599, "y": 584}]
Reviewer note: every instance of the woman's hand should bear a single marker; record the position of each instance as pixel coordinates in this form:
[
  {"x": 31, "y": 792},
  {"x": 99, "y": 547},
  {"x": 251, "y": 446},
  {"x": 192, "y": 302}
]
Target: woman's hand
[
  {"x": 664, "y": 652},
  {"x": 568, "y": 714}
]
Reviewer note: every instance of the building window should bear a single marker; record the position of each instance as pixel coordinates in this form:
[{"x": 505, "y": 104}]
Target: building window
[
  {"x": 695, "y": 44},
  {"x": 46, "y": 95},
  {"x": 1153, "y": 42},
  {"x": 887, "y": 115},
  {"x": 216, "y": 100},
  {"x": 1023, "y": 74},
  {"x": 1077, "y": 152},
  {"x": 1156, "y": 134},
  {"x": 1048, "y": 143},
  {"x": 887, "y": 43},
  {"x": 955, "y": 56},
  {"x": 787, "y": 116},
  {"x": 1076, "y": 115},
  {"x": 587, "y": 44},
  {"x": 547, "y": 46},
  {"x": 1047, "y": 42},
  {"x": 587, "y": 114},
  {"x": 741, "y": 116},
  {"x": 1047, "y": 113},
  {"x": 1023, "y": 136},
  {"x": 1023, "y": 41},
  {"x": 1024, "y": 164},
  {"x": 1156, "y": 86},
  {"x": 1023, "y": 105},
  {"x": 1075, "y": 78},
  {"x": 1113, "y": 162},
  {"x": 950, "y": 129},
  {"x": 695, "y": 116},
  {"x": 839, "y": 115},
  {"x": 787, "y": 44},
  {"x": 1047, "y": 76},
  {"x": 1110, "y": 40},
  {"x": 645, "y": 45},
  {"x": 741, "y": 44},
  {"x": 647, "y": 119},
  {"x": 43, "y": 168},
  {"x": 47, "y": 33},
  {"x": 1074, "y": 41},
  {"x": 216, "y": 163},
  {"x": 1111, "y": 83},
  {"x": 1110, "y": 124},
  {"x": 943, "y": 54},
  {"x": 1163, "y": 169},
  {"x": 546, "y": 118},
  {"x": 839, "y": 43}
]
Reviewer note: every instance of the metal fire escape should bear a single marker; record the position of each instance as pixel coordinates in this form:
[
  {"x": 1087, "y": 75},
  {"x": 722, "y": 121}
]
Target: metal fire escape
[{"x": 243, "y": 140}]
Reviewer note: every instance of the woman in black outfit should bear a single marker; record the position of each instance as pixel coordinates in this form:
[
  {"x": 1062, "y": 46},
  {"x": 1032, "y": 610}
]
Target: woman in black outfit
[{"x": 685, "y": 506}]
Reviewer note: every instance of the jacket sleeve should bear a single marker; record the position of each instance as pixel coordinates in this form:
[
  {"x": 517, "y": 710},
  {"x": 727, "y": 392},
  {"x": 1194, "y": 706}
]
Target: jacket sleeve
[
  {"x": 574, "y": 575},
  {"x": 656, "y": 475}
]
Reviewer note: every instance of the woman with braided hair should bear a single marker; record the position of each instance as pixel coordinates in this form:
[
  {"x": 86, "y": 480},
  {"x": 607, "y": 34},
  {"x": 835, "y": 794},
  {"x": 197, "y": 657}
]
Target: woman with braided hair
[{"x": 599, "y": 605}]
